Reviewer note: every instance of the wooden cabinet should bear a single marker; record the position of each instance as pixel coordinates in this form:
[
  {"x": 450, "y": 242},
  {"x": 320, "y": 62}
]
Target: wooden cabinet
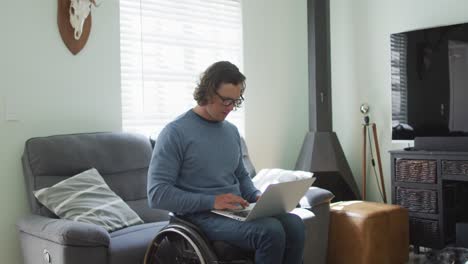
[{"x": 427, "y": 183}]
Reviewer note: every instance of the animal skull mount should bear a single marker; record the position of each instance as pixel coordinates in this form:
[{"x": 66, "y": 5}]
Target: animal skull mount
[{"x": 74, "y": 21}]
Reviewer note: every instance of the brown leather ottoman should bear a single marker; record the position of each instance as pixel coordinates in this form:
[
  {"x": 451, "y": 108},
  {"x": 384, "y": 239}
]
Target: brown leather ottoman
[{"x": 368, "y": 233}]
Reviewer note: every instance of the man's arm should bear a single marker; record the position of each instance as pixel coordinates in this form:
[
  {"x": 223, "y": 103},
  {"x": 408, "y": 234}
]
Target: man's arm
[{"x": 162, "y": 176}]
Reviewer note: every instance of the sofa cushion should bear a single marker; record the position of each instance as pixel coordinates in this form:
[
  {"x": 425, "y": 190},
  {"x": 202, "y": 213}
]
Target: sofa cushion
[
  {"x": 87, "y": 198},
  {"x": 266, "y": 177},
  {"x": 67, "y": 155},
  {"x": 246, "y": 159},
  {"x": 121, "y": 158}
]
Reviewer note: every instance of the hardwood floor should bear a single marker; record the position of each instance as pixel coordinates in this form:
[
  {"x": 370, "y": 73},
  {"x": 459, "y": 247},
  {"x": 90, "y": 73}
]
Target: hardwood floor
[
  {"x": 448, "y": 255},
  {"x": 417, "y": 258}
]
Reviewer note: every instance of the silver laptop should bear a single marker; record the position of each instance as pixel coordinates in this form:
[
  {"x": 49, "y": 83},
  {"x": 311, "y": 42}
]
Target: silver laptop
[{"x": 277, "y": 199}]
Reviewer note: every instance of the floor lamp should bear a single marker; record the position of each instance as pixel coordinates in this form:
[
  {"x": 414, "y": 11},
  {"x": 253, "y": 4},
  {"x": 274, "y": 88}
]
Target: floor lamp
[{"x": 367, "y": 137}]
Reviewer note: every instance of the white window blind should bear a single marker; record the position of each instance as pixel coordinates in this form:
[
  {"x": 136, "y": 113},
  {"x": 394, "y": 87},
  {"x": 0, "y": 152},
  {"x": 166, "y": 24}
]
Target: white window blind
[
  {"x": 399, "y": 44},
  {"x": 165, "y": 46}
]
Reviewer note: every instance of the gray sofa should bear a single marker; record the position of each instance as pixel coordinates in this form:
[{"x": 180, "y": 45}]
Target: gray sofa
[{"x": 122, "y": 159}]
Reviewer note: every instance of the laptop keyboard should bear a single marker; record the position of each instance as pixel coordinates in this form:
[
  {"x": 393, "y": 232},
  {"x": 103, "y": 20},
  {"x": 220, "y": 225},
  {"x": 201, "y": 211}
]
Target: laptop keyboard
[{"x": 241, "y": 213}]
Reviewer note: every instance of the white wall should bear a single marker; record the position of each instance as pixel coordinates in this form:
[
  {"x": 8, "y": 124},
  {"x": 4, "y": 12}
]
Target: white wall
[
  {"x": 275, "y": 63},
  {"x": 52, "y": 91},
  {"x": 360, "y": 47}
]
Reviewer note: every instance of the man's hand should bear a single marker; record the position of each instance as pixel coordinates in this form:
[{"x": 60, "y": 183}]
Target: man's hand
[{"x": 229, "y": 201}]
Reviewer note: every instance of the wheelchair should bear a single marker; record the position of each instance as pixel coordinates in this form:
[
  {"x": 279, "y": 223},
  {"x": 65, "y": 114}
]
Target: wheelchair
[{"x": 181, "y": 242}]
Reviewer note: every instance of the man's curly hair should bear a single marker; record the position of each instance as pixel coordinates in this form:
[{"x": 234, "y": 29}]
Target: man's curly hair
[{"x": 210, "y": 80}]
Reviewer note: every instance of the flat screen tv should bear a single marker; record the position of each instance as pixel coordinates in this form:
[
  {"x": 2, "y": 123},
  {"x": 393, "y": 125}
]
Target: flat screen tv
[{"x": 429, "y": 77}]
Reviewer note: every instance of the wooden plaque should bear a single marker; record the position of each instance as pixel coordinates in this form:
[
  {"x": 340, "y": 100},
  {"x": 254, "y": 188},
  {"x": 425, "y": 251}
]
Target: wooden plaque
[{"x": 66, "y": 30}]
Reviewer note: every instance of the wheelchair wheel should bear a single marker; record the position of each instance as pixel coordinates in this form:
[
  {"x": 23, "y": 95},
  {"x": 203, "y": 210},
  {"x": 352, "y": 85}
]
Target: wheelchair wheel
[{"x": 174, "y": 246}]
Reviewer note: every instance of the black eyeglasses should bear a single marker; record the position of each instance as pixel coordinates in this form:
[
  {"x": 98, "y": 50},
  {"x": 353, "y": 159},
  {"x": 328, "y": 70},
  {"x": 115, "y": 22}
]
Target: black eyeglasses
[{"x": 229, "y": 101}]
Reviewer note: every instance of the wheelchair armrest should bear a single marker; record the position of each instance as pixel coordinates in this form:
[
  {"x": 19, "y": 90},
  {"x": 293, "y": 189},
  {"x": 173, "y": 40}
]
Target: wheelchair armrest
[
  {"x": 315, "y": 196},
  {"x": 64, "y": 232},
  {"x": 179, "y": 220}
]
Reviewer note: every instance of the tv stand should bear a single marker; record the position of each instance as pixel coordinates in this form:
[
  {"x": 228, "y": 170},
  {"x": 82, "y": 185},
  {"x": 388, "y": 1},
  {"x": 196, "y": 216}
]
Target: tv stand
[
  {"x": 433, "y": 186},
  {"x": 441, "y": 143}
]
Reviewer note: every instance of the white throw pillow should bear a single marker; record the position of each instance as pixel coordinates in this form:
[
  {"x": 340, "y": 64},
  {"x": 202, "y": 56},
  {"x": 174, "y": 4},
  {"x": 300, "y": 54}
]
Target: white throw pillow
[
  {"x": 266, "y": 177},
  {"x": 87, "y": 198}
]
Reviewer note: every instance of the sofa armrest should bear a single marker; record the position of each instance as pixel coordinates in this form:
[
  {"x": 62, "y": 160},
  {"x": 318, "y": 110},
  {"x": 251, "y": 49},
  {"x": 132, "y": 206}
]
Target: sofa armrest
[
  {"x": 64, "y": 232},
  {"x": 315, "y": 196}
]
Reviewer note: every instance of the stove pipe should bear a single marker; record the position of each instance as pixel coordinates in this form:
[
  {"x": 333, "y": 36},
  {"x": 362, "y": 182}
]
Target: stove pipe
[{"x": 321, "y": 151}]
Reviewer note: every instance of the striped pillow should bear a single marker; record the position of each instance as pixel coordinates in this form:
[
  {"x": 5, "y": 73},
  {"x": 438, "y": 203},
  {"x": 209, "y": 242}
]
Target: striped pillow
[{"x": 86, "y": 197}]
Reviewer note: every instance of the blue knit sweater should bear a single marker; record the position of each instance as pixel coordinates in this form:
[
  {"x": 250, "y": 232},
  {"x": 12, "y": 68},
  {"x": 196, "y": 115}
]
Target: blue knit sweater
[{"x": 193, "y": 161}]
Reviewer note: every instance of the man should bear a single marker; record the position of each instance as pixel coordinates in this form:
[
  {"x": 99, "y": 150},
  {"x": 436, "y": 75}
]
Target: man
[{"x": 197, "y": 166}]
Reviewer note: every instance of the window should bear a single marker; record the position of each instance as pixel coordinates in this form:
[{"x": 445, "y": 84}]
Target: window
[
  {"x": 399, "y": 80},
  {"x": 165, "y": 46}
]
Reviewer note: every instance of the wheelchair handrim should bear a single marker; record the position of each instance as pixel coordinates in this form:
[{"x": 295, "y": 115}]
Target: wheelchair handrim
[{"x": 187, "y": 238}]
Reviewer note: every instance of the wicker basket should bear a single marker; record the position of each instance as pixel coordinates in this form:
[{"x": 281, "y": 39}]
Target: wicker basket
[
  {"x": 423, "y": 171},
  {"x": 424, "y": 232},
  {"x": 417, "y": 200},
  {"x": 455, "y": 167}
]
